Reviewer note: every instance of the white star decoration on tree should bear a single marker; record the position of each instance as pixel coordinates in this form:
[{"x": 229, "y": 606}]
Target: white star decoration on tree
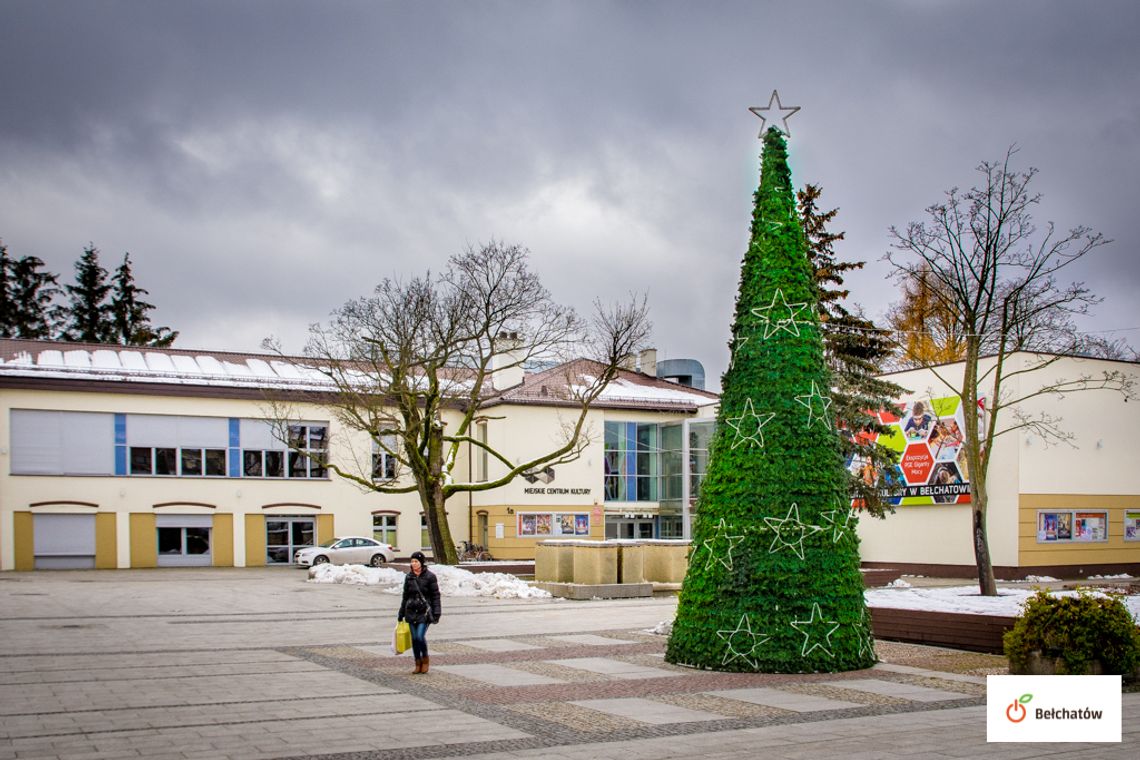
[
  {"x": 817, "y": 405},
  {"x": 816, "y": 627},
  {"x": 779, "y": 109},
  {"x": 720, "y": 536},
  {"x": 840, "y": 522},
  {"x": 866, "y": 642},
  {"x": 749, "y": 425},
  {"x": 742, "y": 642},
  {"x": 739, "y": 345},
  {"x": 790, "y": 532},
  {"x": 781, "y": 316}
]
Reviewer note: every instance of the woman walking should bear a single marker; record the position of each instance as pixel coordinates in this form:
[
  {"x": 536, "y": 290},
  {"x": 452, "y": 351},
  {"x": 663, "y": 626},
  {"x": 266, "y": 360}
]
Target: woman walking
[{"x": 420, "y": 607}]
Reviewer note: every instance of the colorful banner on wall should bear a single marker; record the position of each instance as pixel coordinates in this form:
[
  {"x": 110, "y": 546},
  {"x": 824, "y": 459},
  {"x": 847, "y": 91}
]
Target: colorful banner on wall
[{"x": 932, "y": 463}]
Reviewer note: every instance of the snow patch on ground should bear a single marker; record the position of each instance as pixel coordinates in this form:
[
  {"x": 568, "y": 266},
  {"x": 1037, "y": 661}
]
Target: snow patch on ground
[
  {"x": 453, "y": 581},
  {"x": 898, "y": 583},
  {"x": 1009, "y": 601},
  {"x": 1040, "y": 579},
  {"x": 1108, "y": 577},
  {"x": 664, "y": 628}
]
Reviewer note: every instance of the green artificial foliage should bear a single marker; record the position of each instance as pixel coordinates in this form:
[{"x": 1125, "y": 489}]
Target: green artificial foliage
[
  {"x": 1074, "y": 631},
  {"x": 773, "y": 583}
]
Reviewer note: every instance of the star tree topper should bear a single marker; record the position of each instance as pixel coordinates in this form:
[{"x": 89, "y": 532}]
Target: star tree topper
[{"x": 779, "y": 109}]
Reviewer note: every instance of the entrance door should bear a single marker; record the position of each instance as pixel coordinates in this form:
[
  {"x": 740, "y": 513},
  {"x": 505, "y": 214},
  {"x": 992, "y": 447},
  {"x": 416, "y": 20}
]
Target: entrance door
[
  {"x": 63, "y": 542},
  {"x": 285, "y": 535},
  {"x": 629, "y": 529}
]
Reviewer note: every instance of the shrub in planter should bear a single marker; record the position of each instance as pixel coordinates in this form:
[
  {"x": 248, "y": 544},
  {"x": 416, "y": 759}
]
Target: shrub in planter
[{"x": 1075, "y": 633}]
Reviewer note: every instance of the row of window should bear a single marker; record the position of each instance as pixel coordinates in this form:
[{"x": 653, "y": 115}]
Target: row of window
[
  {"x": 644, "y": 460},
  {"x": 94, "y": 443}
]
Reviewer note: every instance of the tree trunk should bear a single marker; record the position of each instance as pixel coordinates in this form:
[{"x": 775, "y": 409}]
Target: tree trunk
[
  {"x": 435, "y": 505},
  {"x": 987, "y": 585}
]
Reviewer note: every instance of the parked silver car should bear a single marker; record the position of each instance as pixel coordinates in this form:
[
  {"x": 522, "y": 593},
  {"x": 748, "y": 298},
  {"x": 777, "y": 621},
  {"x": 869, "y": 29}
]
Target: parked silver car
[{"x": 349, "y": 550}]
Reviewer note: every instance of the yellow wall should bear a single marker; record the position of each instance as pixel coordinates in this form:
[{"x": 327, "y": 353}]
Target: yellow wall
[
  {"x": 24, "y": 536},
  {"x": 325, "y": 530},
  {"x": 255, "y": 541},
  {"x": 1114, "y": 550},
  {"x": 106, "y": 541},
  {"x": 144, "y": 545},
  {"x": 222, "y": 537},
  {"x": 511, "y": 546}
]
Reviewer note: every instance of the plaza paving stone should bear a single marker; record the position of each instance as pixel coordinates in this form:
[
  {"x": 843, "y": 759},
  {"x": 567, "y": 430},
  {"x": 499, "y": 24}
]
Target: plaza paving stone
[{"x": 260, "y": 665}]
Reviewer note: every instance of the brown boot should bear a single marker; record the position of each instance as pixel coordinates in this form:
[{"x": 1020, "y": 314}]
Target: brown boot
[
  {"x": 419, "y": 666},
  {"x": 424, "y": 664}
]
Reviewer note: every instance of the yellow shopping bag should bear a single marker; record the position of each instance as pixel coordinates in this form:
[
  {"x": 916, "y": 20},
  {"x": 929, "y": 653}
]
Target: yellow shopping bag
[{"x": 402, "y": 637}]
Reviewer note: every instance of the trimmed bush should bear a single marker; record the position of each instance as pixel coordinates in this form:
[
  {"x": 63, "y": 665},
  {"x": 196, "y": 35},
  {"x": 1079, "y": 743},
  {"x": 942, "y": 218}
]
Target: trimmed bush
[{"x": 1074, "y": 631}]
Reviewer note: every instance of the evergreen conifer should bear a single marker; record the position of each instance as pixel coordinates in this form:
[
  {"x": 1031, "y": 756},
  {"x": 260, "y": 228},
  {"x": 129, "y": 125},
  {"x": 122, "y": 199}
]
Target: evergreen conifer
[
  {"x": 773, "y": 583},
  {"x": 26, "y": 293},
  {"x": 89, "y": 317},
  {"x": 132, "y": 325}
]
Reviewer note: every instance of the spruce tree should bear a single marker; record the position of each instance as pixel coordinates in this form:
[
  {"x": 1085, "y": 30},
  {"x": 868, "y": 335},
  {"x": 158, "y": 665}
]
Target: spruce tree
[
  {"x": 89, "y": 317},
  {"x": 856, "y": 352},
  {"x": 773, "y": 583},
  {"x": 26, "y": 294},
  {"x": 6, "y": 303},
  {"x": 130, "y": 312}
]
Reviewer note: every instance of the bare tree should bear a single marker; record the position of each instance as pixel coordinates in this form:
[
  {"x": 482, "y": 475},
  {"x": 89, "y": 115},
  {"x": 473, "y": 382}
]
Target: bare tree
[
  {"x": 419, "y": 357},
  {"x": 990, "y": 271}
]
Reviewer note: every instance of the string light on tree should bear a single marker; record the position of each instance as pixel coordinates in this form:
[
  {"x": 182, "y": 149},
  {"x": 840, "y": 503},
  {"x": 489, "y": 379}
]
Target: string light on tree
[
  {"x": 781, "y": 315},
  {"x": 741, "y": 642},
  {"x": 721, "y": 537},
  {"x": 749, "y": 426},
  {"x": 817, "y": 632},
  {"x": 817, "y": 405},
  {"x": 790, "y": 532}
]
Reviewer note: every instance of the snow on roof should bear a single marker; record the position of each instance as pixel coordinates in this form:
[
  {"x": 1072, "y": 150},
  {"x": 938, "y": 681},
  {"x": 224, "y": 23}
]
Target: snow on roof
[
  {"x": 93, "y": 362},
  {"x": 168, "y": 366}
]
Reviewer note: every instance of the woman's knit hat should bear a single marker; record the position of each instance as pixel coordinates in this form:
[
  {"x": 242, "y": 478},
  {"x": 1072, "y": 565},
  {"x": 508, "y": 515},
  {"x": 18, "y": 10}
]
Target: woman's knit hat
[{"x": 420, "y": 556}]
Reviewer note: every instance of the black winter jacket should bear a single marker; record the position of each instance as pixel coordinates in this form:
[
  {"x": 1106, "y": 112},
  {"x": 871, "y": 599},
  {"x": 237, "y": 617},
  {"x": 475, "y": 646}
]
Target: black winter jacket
[{"x": 411, "y": 608}]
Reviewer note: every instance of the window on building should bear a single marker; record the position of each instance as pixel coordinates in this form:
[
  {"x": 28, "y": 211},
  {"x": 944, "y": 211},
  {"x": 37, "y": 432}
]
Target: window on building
[
  {"x": 188, "y": 462},
  {"x": 481, "y": 456},
  {"x": 263, "y": 464},
  {"x": 384, "y": 529},
  {"x": 183, "y": 541},
  {"x": 308, "y": 457},
  {"x": 384, "y": 463},
  {"x": 632, "y": 461},
  {"x": 425, "y": 536}
]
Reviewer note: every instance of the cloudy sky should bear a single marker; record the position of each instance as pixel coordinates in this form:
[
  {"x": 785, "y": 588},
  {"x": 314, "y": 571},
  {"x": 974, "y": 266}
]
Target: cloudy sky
[{"x": 263, "y": 162}]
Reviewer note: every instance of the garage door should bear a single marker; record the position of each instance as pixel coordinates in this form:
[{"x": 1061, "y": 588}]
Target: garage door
[{"x": 64, "y": 542}]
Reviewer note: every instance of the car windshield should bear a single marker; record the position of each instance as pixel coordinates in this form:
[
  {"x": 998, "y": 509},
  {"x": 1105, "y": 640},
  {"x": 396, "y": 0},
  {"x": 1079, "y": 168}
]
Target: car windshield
[{"x": 329, "y": 544}]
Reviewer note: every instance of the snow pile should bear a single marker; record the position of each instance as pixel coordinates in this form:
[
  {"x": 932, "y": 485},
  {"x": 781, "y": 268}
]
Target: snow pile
[
  {"x": 1040, "y": 579},
  {"x": 355, "y": 575},
  {"x": 453, "y": 581},
  {"x": 898, "y": 583},
  {"x": 664, "y": 628},
  {"x": 966, "y": 599},
  {"x": 1109, "y": 577}
]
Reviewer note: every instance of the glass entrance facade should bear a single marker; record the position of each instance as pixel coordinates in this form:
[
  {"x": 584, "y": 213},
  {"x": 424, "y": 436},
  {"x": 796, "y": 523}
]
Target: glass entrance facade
[{"x": 285, "y": 535}]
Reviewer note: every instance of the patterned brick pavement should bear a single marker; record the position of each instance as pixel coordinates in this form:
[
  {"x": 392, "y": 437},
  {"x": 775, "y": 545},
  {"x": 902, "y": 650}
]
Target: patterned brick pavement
[{"x": 575, "y": 710}]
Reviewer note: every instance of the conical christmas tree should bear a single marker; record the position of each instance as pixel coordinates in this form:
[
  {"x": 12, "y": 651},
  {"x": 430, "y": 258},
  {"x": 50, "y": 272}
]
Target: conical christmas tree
[{"x": 773, "y": 583}]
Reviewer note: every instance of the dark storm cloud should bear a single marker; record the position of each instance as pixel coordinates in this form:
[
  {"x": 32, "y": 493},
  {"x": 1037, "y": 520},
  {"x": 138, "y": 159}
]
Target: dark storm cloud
[{"x": 265, "y": 161}]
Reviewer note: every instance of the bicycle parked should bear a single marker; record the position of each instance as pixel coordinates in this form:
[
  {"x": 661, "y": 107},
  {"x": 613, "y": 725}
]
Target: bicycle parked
[{"x": 469, "y": 552}]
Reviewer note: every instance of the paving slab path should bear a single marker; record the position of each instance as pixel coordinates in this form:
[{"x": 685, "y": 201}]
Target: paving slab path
[{"x": 259, "y": 664}]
